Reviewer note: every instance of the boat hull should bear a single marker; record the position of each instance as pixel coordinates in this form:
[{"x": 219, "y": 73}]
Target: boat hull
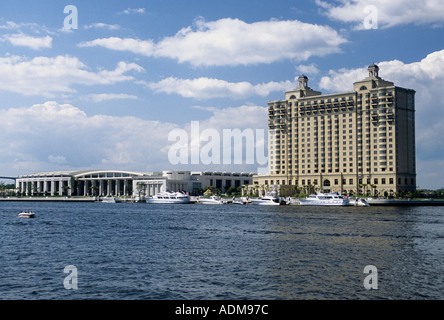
[
  {"x": 167, "y": 201},
  {"x": 111, "y": 200},
  {"x": 210, "y": 202},
  {"x": 26, "y": 215},
  {"x": 325, "y": 199},
  {"x": 264, "y": 203},
  {"x": 315, "y": 203}
]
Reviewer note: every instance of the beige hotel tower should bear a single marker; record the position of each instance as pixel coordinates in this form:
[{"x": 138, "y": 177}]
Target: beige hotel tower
[{"x": 357, "y": 142}]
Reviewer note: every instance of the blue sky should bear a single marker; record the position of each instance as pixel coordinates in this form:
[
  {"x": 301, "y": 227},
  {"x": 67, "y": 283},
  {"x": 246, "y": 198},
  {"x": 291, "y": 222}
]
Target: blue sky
[{"x": 106, "y": 95}]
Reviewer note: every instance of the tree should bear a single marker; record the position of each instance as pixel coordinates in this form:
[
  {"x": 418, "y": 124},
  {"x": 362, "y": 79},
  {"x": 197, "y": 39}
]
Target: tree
[
  {"x": 230, "y": 191},
  {"x": 141, "y": 188},
  {"x": 94, "y": 190}
]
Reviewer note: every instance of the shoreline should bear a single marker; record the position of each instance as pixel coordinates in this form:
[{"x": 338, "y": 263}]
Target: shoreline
[{"x": 372, "y": 202}]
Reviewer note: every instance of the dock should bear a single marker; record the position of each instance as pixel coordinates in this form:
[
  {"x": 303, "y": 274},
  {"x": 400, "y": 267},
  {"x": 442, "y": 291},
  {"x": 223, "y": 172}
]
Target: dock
[
  {"x": 50, "y": 199},
  {"x": 409, "y": 202}
]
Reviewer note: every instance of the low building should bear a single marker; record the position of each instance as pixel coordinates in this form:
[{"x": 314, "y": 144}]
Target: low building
[{"x": 126, "y": 183}]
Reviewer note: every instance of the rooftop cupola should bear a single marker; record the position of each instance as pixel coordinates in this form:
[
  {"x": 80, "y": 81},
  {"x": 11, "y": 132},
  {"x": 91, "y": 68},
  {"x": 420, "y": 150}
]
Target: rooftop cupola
[
  {"x": 373, "y": 71},
  {"x": 303, "y": 82}
]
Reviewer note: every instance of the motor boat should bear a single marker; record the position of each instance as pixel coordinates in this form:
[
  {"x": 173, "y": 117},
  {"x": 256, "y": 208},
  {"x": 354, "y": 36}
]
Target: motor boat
[
  {"x": 359, "y": 202},
  {"x": 270, "y": 199},
  {"x": 169, "y": 198},
  {"x": 26, "y": 214},
  {"x": 292, "y": 201},
  {"x": 110, "y": 200},
  {"x": 211, "y": 200},
  {"x": 238, "y": 202},
  {"x": 325, "y": 199}
]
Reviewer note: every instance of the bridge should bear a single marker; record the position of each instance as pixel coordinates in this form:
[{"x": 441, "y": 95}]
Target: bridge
[{"x": 8, "y": 178}]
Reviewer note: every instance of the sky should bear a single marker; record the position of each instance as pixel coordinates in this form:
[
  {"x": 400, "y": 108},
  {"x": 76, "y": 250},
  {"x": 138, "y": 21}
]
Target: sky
[{"x": 104, "y": 84}]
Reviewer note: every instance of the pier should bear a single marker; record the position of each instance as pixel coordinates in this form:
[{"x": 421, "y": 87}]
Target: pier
[
  {"x": 50, "y": 199},
  {"x": 409, "y": 202}
]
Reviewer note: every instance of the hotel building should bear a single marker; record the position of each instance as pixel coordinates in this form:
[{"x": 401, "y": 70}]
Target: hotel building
[{"x": 356, "y": 142}]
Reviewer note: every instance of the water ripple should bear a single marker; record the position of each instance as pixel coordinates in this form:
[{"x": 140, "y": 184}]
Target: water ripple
[{"x": 134, "y": 251}]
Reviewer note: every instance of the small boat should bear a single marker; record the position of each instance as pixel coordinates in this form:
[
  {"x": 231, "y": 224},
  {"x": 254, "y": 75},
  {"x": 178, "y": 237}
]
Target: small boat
[
  {"x": 211, "y": 200},
  {"x": 270, "y": 199},
  {"x": 169, "y": 198},
  {"x": 292, "y": 201},
  {"x": 238, "y": 202},
  {"x": 246, "y": 200},
  {"x": 26, "y": 214},
  {"x": 325, "y": 199},
  {"x": 359, "y": 202},
  {"x": 266, "y": 201},
  {"x": 110, "y": 200}
]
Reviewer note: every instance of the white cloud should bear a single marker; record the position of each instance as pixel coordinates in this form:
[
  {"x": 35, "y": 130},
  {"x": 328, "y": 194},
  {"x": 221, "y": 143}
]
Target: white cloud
[
  {"x": 234, "y": 42},
  {"x": 208, "y": 88},
  {"x": 389, "y": 13},
  {"x": 29, "y": 41},
  {"x": 142, "y": 47},
  {"x": 133, "y": 11},
  {"x": 57, "y": 159},
  {"x": 100, "y": 25},
  {"x": 426, "y": 78},
  {"x": 52, "y": 136},
  {"x": 310, "y": 69},
  {"x": 100, "y": 97},
  {"x": 49, "y": 76},
  {"x": 49, "y": 135}
]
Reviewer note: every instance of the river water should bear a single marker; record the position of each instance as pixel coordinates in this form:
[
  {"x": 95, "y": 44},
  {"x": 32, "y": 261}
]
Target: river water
[{"x": 205, "y": 252}]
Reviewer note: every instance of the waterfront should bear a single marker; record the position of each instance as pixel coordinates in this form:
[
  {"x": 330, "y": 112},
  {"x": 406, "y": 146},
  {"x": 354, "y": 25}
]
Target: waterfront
[{"x": 164, "y": 252}]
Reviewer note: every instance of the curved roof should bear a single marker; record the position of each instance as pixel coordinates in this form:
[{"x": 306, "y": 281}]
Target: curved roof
[{"x": 90, "y": 172}]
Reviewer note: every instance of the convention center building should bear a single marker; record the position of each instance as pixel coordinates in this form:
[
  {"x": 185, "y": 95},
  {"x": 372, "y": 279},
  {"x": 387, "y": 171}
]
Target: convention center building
[{"x": 126, "y": 183}]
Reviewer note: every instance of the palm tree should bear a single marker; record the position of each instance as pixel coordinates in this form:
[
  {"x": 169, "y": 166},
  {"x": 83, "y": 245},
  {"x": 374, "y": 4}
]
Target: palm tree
[
  {"x": 94, "y": 190},
  {"x": 141, "y": 188},
  {"x": 65, "y": 190}
]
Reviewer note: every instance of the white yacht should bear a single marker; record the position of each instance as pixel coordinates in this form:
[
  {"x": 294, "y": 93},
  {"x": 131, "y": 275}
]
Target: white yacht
[
  {"x": 169, "y": 198},
  {"x": 110, "y": 200},
  {"x": 325, "y": 199},
  {"x": 270, "y": 199},
  {"x": 211, "y": 200}
]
